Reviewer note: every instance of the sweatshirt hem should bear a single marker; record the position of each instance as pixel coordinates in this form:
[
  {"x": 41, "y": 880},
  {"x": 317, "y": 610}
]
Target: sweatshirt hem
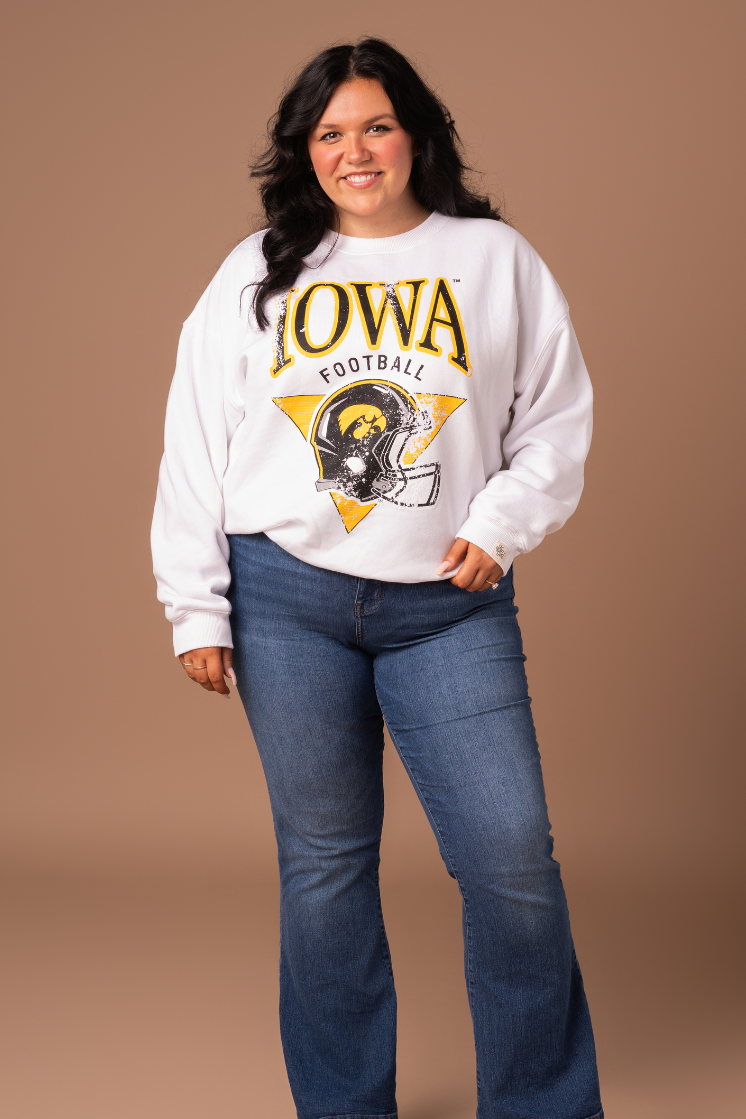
[{"x": 202, "y": 630}]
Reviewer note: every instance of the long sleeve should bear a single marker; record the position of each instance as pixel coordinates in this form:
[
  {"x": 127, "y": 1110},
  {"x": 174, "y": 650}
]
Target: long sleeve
[
  {"x": 190, "y": 549},
  {"x": 541, "y": 479}
]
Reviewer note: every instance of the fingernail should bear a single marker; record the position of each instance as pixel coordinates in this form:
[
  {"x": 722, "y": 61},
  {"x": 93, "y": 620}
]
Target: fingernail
[
  {"x": 445, "y": 566},
  {"x": 232, "y": 677}
]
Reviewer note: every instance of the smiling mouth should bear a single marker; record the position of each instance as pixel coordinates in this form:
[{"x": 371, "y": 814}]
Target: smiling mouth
[{"x": 362, "y": 179}]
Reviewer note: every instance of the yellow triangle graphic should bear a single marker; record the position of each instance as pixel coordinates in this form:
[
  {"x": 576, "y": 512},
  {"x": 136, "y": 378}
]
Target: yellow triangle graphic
[
  {"x": 300, "y": 409},
  {"x": 439, "y": 409},
  {"x": 349, "y": 510}
]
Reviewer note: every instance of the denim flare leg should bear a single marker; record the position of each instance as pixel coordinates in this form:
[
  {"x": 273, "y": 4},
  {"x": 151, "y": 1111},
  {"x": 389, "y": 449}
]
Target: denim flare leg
[{"x": 321, "y": 659}]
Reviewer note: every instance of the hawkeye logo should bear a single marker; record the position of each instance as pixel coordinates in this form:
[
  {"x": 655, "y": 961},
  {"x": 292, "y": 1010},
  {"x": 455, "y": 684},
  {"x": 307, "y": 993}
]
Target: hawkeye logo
[
  {"x": 368, "y": 438},
  {"x": 374, "y": 303}
]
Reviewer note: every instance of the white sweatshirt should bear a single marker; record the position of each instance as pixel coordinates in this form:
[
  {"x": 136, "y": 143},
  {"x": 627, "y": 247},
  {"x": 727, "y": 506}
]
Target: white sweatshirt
[{"x": 411, "y": 390}]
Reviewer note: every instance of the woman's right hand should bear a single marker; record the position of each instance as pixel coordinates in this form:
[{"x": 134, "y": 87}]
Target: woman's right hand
[{"x": 209, "y": 667}]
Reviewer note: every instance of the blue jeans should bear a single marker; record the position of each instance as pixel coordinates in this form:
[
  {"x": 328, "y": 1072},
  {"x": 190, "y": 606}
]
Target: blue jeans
[{"x": 321, "y": 659}]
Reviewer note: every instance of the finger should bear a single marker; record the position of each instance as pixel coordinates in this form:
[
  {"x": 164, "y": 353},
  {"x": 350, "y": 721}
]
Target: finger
[
  {"x": 187, "y": 665},
  {"x": 479, "y": 582},
  {"x": 467, "y": 574},
  {"x": 202, "y": 676},
  {"x": 206, "y": 667},
  {"x": 215, "y": 676},
  {"x": 491, "y": 578},
  {"x": 494, "y": 575},
  {"x": 228, "y": 666},
  {"x": 477, "y": 574},
  {"x": 455, "y": 556}
]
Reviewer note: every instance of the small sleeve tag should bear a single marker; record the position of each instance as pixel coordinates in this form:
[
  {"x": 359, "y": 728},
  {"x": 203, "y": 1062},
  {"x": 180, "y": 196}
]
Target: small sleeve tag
[{"x": 499, "y": 552}]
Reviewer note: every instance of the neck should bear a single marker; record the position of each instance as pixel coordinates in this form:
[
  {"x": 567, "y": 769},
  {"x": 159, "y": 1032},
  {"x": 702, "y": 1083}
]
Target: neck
[{"x": 406, "y": 216}]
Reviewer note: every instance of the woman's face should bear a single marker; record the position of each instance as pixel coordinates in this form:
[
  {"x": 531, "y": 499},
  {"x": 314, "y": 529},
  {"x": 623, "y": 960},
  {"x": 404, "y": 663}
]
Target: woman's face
[{"x": 363, "y": 159}]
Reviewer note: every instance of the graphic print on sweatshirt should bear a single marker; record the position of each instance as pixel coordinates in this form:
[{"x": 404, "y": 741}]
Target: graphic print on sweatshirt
[
  {"x": 293, "y": 320},
  {"x": 368, "y": 437}
]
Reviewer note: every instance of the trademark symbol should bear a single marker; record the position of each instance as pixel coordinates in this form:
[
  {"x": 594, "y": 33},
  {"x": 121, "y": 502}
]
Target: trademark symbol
[{"x": 455, "y": 281}]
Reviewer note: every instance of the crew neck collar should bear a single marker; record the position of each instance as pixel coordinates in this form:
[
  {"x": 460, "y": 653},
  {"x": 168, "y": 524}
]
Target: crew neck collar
[{"x": 366, "y": 246}]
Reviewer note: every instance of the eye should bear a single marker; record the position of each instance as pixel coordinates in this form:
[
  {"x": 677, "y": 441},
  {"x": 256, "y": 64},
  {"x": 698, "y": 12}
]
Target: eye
[
  {"x": 379, "y": 128},
  {"x": 328, "y": 136}
]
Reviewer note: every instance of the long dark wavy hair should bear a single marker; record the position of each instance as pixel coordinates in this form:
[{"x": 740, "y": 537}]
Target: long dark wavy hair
[{"x": 297, "y": 209}]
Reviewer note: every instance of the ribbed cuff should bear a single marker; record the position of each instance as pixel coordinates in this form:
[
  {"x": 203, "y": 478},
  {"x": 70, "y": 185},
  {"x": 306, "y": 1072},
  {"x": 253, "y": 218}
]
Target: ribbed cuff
[
  {"x": 202, "y": 630},
  {"x": 496, "y": 539}
]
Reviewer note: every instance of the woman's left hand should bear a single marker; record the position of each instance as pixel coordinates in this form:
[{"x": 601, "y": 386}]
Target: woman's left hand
[{"x": 478, "y": 570}]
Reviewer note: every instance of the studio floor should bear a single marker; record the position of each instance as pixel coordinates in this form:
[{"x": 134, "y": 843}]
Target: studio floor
[{"x": 156, "y": 999}]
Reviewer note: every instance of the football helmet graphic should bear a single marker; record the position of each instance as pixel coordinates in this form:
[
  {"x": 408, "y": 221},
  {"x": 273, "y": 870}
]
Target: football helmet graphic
[{"x": 359, "y": 437}]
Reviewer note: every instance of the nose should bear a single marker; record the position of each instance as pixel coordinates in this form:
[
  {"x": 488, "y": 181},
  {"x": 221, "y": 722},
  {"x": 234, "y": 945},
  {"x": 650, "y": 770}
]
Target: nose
[{"x": 356, "y": 149}]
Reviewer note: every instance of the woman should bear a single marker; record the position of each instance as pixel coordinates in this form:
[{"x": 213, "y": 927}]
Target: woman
[{"x": 379, "y": 402}]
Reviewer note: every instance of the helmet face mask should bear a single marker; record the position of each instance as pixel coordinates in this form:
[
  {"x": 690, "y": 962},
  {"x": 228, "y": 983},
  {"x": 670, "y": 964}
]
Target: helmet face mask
[{"x": 359, "y": 437}]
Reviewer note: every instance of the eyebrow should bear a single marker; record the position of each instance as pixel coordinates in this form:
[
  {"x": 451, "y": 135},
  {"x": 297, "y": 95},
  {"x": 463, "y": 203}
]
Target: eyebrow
[{"x": 372, "y": 120}]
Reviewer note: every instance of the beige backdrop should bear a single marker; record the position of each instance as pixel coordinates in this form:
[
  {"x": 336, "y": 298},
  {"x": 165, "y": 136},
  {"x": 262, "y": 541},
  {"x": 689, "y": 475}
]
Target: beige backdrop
[{"x": 140, "y": 931}]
